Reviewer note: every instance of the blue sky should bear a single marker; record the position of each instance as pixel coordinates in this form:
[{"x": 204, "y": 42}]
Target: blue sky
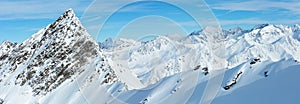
[{"x": 19, "y": 19}]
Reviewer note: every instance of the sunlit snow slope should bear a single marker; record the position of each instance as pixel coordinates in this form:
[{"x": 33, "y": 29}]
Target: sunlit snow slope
[
  {"x": 179, "y": 69},
  {"x": 63, "y": 64}
]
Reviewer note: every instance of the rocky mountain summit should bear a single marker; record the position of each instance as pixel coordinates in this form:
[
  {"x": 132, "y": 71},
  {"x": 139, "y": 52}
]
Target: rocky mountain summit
[
  {"x": 62, "y": 63},
  {"x": 52, "y": 56}
]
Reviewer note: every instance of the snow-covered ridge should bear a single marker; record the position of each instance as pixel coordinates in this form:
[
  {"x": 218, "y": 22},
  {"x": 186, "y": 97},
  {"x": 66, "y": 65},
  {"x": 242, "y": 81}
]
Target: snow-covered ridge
[
  {"x": 54, "y": 55},
  {"x": 63, "y": 64},
  {"x": 268, "y": 43},
  {"x": 6, "y": 46}
]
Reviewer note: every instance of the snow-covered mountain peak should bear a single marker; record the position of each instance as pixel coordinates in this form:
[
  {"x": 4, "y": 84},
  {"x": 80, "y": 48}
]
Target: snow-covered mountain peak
[
  {"x": 236, "y": 31},
  {"x": 211, "y": 30},
  {"x": 161, "y": 40},
  {"x": 5, "y": 46},
  {"x": 54, "y": 55},
  {"x": 249, "y": 55},
  {"x": 152, "y": 47},
  {"x": 117, "y": 44},
  {"x": 268, "y": 34},
  {"x": 64, "y": 28},
  {"x": 68, "y": 15},
  {"x": 63, "y": 64},
  {"x": 260, "y": 26},
  {"x": 296, "y": 27},
  {"x": 5, "y": 42}
]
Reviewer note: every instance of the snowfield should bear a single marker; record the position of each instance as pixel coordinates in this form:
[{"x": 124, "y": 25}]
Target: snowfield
[{"x": 63, "y": 64}]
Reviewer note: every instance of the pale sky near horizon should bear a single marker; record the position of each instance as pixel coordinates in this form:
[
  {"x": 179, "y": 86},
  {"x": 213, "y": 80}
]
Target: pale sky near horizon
[{"x": 19, "y": 19}]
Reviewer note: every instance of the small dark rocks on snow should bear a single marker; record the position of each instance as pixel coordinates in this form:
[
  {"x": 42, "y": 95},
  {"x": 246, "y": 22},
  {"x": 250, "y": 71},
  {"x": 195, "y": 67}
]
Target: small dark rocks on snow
[
  {"x": 266, "y": 74},
  {"x": 234, "y": 81}
]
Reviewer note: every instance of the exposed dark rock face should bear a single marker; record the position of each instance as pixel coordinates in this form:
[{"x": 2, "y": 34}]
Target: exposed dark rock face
[
  {"x": 234, "y": 81},
  {"x": 266, "y": 73},
  {"x": 56, "y": 53}
]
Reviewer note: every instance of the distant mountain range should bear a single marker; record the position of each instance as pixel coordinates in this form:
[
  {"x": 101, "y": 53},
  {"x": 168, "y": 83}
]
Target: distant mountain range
[{"x": 63, "y": 64}]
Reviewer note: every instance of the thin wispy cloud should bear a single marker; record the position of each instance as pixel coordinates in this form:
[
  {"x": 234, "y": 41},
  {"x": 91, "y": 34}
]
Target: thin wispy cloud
[
  {"x": 259, "y": 5},
  {"x": 229, "y": 13},
  {"x": 253, "y": 21},
  {"x": 252, "y": 12},
  {"x": 249, "y": 21}
]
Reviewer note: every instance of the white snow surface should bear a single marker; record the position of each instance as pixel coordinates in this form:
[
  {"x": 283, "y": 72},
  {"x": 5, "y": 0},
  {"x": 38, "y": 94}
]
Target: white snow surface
[{"x": 63, "y": 64}]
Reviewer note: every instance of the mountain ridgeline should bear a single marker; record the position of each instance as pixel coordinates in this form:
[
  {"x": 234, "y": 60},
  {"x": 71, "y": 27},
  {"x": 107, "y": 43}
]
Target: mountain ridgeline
[
  {"x": 63, "y": 64},
  {"x": 54, "y": 54}
]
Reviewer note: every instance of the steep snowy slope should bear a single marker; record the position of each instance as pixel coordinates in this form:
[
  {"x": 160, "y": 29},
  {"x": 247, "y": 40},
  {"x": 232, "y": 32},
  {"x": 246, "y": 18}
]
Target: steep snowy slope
[
  {"x": 251, "y": 55},
  {"x": 54, "y": 55},
  {"x": 5, "y": 47},
  {"x": 280, "y": 87},
  {"x": 63, "y": 64}
]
